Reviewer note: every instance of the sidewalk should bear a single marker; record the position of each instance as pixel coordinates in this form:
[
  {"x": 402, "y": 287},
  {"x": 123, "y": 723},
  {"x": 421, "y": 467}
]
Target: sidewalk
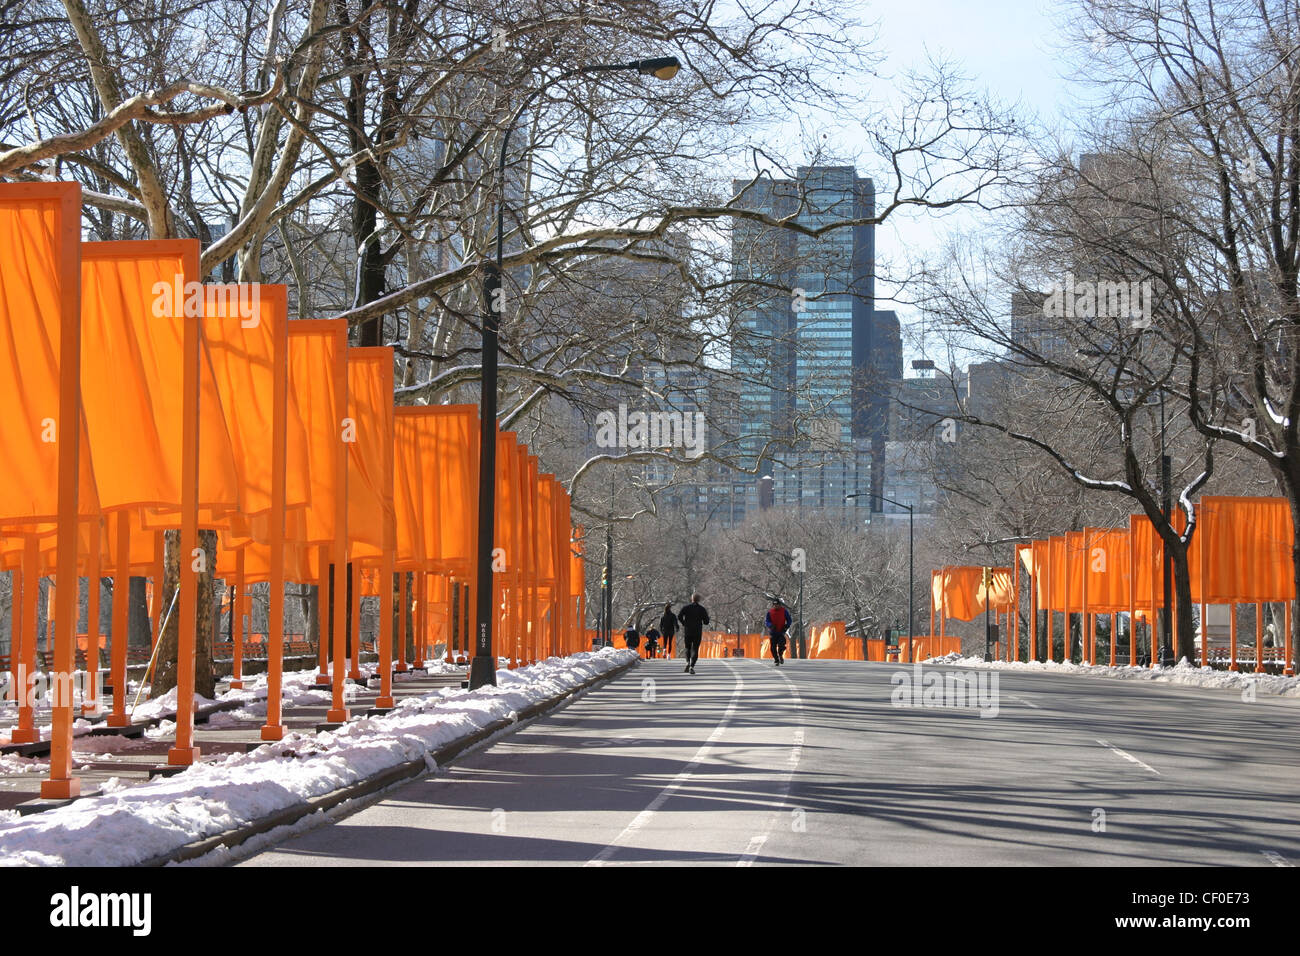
[
  {"x": 1184, "y": 674},
  {"x": 128, "y": 757},
  {"x": 239, "y": 792}
]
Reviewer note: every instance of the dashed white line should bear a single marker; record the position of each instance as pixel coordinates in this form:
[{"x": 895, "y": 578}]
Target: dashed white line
[
  {"x": 1128, "y": 756},
  {"x": 1277, "y": 859},
  {"x": 646, "y": 815},
  {"x": 792, "y": 763}
]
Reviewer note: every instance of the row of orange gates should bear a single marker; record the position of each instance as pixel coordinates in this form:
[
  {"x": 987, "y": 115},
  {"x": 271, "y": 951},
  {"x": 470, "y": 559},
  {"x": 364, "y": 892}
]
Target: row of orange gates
[
  {"x": 138, "y": 399},
  {"x": 826, "y": 642},
  {"x": 1240, "y": 553}
]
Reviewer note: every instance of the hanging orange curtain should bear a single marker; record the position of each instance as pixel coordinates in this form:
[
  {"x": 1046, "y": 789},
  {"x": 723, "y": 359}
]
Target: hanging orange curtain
[
  {"x": 39, "y": 230},
  {"x": 1248, "y": 543},
  {"x": 369, "y": 435},
  {"x": 241, "y": 352},
  {"x": 961, "y": 590},
  {"x": 136, "y": 299},
  {"x": 1107, "y": 565}
]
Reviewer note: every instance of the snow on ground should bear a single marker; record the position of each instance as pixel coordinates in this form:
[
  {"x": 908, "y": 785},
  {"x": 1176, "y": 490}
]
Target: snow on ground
[
  {"x": 1184, "y": 673},
  {"x": 121, "y": 828}
]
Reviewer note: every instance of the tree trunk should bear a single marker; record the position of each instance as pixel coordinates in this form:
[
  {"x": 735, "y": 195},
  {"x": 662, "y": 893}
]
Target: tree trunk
[
  {"x": 165, "y": 671},
  {"x": 138, "y": 628},
  {"x": 311, "y": 615},
  {"x": 1186, "y": 634}
]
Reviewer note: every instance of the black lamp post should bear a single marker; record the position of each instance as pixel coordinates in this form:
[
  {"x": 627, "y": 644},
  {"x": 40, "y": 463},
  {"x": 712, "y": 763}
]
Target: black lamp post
[
  {"x": 911, "y": 577},
  {"x": 483, "y": 667}
]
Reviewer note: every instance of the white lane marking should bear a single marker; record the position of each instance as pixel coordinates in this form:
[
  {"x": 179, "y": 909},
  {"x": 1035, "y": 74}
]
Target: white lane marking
[
  {"x": 1277, "y": 859},
  {"x": 1021, "y": 700},
  {"x": 646, "y": 815},
  {"x": 1128, "y": 756},
  {"x": 792, "y": 763}
]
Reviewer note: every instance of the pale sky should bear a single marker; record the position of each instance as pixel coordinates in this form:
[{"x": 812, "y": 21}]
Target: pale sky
[{"x": 1014, "y": 49}]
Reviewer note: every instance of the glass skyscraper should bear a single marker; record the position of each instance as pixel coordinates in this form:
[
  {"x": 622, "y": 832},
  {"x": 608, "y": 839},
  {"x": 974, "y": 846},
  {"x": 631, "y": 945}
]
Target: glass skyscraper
[{"x": 812, "y": 356}]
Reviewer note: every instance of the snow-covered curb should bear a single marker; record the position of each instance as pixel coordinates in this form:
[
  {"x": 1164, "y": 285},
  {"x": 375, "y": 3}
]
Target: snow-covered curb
[
  {"x": 1184, "y": 673},
  {"x": 141, "y": 823}
]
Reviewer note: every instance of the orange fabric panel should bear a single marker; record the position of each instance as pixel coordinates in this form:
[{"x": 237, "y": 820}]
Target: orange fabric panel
[
  {"x": 318, "y": 378},
  {"x": 1106, "y": 564},
  {"x": 134, "y": 305},
  {"x": 370, "y": 487},
  {"x": 299, "y": 564},
  {"x": 548, "y": 492},
  {"x": 1248, "y": 543},
  {"x": 958, "y": 592},
  {"x": 240, "y": 353},
  {"x": 1074, "y": 554},
  {"x": 506, "y": 534},
  {"x": 1148, "y": 567},
  {"x": 1057, "y": 572},
  {"x": 39, "y": 226},
  {"x": 435, "y": 486}
]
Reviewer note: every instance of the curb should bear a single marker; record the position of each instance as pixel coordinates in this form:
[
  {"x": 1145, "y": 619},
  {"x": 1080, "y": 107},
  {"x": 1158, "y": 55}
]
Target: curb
[{"x": 379, "y": 781}]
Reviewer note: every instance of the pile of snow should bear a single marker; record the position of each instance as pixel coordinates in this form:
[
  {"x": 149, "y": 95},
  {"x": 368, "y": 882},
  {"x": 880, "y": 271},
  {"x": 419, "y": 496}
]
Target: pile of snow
[
  {"x": 1184, "y": 673},
  {"x": 125, "y": 827}
]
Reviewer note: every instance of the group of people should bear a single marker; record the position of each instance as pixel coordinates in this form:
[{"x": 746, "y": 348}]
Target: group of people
[{"x": 691, "y": 619}]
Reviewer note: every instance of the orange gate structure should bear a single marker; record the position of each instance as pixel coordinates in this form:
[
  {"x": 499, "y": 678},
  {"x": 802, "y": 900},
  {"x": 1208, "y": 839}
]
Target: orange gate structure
[{"x": 123, "y": 371}]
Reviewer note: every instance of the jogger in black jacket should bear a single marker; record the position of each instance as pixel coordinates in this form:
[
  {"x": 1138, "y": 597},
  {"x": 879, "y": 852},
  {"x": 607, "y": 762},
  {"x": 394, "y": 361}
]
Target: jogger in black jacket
[
  {"x": 692, "y": 618},
  {"x": 667, "y": 628}
]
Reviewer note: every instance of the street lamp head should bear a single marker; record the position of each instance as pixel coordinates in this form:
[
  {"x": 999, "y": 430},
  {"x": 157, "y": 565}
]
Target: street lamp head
[{"x": 660, "y": 67}]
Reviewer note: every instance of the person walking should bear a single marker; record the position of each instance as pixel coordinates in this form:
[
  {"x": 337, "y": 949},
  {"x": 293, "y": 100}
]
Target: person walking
[
  {"x": 778, "y": 625},
  {"x": 651, "y": 642},
  {"x": 631, "y": 638},
  {"x": 667, "y": 628},
  {"x": 692, "y": 618}
]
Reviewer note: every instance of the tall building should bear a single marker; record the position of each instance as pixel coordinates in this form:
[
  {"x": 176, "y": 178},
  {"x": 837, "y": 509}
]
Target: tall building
[{"x": 811, "y": 354}]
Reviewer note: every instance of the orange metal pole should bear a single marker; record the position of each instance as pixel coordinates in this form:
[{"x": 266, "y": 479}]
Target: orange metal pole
[
  {"x": 1132, "y": 597},
  {"x": 61, "y": 784},
  {"x": 237, "y": 619},
  {"x": 273, "y": 729},
  {"x": 1288, "y": 665},
  {"x": 323, "y": 610},
  {"x": 1050, "y": 565},
  {"x": 1232, "y": 638},
  {"x": 90, "y": 696},
  {"x": 25, "y": 732},
  {"x": 184, "y": 752},
  {"x": 355, "y": 607},
  {"x": 121, "y": 592},
  {"x": 1259, "y": 637},
  {"x": 338, "y": 713},
  {"x": 1031, "y": 652},
  {"x": 1086, "y": 622},
  {"x": 404, "y": 605},
  {"x": 385, "y": 698},
  {"x": 422, "y": 618},
  {"x": 1205, "y": 586},
  {"x": 17, "y": 673}
]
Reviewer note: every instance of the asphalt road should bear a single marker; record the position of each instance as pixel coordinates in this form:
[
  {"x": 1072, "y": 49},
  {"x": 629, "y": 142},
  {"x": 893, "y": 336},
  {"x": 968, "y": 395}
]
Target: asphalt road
[{"x": 813, "y": 763}]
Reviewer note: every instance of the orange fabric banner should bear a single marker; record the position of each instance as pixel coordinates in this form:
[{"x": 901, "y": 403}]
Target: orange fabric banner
[
  {"x": 136, "y": 298},
  {"x": 39, "y": 228}
]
